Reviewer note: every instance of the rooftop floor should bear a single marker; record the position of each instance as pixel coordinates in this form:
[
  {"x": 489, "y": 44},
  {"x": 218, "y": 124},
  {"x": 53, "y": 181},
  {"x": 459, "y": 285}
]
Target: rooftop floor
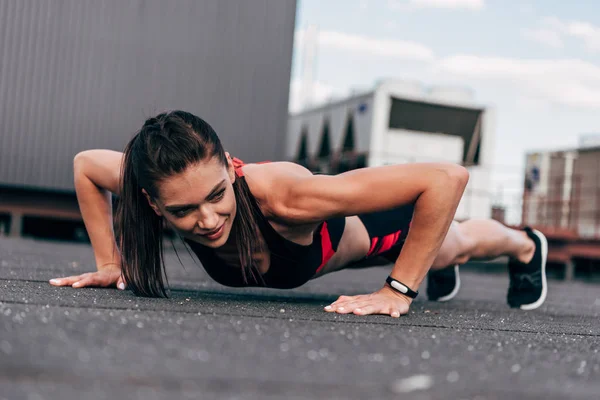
[{"x": 209, "y": 341}]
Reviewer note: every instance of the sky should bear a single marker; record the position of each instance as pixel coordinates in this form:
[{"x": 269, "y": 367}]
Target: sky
[{"x": 536, "y": 63}]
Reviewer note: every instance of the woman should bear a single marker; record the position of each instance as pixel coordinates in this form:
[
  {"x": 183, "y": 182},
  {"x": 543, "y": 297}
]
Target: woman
[{"x": 278, "y": 225}]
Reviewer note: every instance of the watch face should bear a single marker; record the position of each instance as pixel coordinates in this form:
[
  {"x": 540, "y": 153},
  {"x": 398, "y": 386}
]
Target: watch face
[{"x": 400, "y": 287}]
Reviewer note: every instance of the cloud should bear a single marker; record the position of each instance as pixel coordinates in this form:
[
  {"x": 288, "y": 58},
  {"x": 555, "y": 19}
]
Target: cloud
[
  {"x": 590, "y": 34},
  {"x": 319, "y": 93},
  {"x": 446, "y": 4},
  {"x": 389, "y": 48},
  {"x": 544, "y": 36},
  {"x": 553, "y": 30},
  {"x": 568, "y": 82}
]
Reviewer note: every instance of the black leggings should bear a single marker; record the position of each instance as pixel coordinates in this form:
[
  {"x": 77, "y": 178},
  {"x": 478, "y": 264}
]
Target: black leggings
[{"x": 387, "y": 231}]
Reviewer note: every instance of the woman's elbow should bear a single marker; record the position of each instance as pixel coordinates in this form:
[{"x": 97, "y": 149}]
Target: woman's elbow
[
  {"x": 459, "y": 175},
  {"x": 78, "y": 162},
  {"x": 452, "y": 176}
]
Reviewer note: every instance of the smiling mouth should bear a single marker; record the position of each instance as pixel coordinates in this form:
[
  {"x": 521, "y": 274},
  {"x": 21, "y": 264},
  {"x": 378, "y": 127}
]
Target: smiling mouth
[{"x": 214, "y": 234}]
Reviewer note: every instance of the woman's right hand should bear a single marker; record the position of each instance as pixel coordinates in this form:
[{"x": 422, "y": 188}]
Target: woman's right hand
[{"x": 106, "y": 276}]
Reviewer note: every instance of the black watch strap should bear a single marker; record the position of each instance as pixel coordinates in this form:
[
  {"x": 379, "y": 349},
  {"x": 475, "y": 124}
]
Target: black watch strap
[{"x": 401, "y": 287}]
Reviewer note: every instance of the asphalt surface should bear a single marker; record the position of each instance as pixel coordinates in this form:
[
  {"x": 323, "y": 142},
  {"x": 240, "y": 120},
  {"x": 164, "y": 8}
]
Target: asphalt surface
[{"x": 208, "y": 341}]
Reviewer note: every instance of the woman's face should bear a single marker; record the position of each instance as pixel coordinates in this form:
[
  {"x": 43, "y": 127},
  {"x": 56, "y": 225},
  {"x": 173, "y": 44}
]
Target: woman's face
[{"x": 199, "y": 203}]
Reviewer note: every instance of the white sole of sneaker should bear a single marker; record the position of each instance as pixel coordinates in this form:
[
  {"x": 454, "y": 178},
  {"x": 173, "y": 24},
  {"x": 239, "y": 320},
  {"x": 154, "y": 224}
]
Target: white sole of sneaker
[
  {"x": 540, "y": 301},
  {"x": 454, "y": 291}
]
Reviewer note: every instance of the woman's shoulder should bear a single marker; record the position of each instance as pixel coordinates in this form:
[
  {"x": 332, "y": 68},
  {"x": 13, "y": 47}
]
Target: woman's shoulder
[
  {"x": 268, "y": 183},
  {"x": 265, "y": 181},
  {"x": 265, "y": 171}
]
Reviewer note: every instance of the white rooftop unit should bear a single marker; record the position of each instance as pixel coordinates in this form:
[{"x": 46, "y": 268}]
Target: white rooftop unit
[{"x": 400, "y": 122}]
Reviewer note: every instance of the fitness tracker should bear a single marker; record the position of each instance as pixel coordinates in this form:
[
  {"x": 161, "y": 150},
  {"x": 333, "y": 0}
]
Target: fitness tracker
[{"x": 401, "y": 287}]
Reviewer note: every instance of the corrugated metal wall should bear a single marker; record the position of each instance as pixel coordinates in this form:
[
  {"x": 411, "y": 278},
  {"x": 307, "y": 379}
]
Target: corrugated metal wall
[{"x": 81, "y": 74}]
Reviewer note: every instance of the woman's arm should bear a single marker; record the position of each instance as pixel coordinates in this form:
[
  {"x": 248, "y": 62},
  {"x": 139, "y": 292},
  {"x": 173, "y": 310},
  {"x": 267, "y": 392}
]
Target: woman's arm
[
  {"x": 434, "y": 188},
  {"x": 96, "y": 175},
  {"x": 301, "y": 197}
]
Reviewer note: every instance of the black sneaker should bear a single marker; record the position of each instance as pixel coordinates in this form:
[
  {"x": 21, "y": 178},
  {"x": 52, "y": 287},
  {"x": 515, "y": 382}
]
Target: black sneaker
[
  {"x": 443, "y": 284},
  {"x": 528, "y": 287}
]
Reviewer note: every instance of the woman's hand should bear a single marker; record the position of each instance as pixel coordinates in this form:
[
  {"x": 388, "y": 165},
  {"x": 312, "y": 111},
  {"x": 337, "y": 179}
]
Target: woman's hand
[
  {"x": 108, "y": 275},
  {"x": 384, "y": 301}
]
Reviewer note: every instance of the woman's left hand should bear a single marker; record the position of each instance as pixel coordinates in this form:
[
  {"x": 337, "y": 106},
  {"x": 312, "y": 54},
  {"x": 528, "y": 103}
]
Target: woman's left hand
[{"x": 384, "y": 301}]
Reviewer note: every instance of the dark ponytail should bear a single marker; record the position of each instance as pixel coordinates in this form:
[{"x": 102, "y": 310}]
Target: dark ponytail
[
  {"x": 140, "y": 232},
  {"x": 166, "y": 145},
  {"x": 246, "y": 234}
]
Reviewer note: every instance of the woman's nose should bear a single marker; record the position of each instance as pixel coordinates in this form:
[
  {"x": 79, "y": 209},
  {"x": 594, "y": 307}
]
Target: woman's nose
[{"x": 208, "y": 224}]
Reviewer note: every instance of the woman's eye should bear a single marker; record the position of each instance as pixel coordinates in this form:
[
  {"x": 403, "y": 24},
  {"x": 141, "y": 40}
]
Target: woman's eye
[
  {"x": 180, "y": 213},
  {"x": 218, "y": 196}
]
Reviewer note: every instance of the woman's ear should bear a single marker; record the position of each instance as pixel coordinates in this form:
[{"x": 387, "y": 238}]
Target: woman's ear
[
  {"x": 152, "y": 204},
  {"x": 230, "y": 168}
]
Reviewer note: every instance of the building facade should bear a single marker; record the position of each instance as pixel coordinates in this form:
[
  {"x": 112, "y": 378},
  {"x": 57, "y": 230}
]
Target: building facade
[
  {"x": 562, "y": 191},
  {"x": 400, "y": 122},
  {"x": 82, "y": 74}
]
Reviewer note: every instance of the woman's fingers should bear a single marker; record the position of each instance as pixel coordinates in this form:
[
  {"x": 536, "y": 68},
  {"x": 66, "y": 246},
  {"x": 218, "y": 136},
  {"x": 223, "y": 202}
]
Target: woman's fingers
[
  {"x": 341, "y": 308},
  {"x": 342, "y": 300},
  {"x": 121, "y": 285},
  {"x": 85, "y": 281},
  {"x": 348, "y": 304},
  {"x": 365, "y": 305},
  {"x": 378, "y": 309},
  {"x": 364, "y": 308},
  {"x": 66, "y": 281},
  {"x": 96, "y": 279}
]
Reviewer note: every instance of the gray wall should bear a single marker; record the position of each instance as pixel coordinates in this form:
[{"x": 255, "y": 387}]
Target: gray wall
[{"x": 81, "y": 74}]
